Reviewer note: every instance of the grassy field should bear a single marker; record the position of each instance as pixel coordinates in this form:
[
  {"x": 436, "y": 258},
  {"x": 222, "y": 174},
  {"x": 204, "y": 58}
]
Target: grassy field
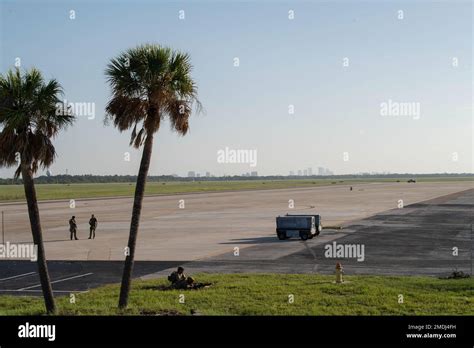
[
  {"x": 67, "y": 191},
  {"x": 268, "y": 294}
]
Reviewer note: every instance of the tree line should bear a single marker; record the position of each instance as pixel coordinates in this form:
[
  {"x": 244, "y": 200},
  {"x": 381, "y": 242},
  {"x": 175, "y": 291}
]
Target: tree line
[{"x": 91, "y": 179}]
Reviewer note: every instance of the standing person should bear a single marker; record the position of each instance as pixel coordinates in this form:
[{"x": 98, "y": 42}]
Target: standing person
[
  {"x": 73, "y": 227},
  {"x": 93, "y": 226}
]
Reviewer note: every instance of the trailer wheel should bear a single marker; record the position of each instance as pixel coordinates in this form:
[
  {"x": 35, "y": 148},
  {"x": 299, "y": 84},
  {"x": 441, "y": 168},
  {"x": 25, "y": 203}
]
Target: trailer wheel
[
  {"x": 303, "y": 235},
  {"x": 310, "y": 236},
  {"x": 281, "y": 235}
]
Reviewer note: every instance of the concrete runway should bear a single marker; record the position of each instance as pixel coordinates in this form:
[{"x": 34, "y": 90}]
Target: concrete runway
[
  {"x": 210, "y": 223},
  {"x": 415, "y": 240}
]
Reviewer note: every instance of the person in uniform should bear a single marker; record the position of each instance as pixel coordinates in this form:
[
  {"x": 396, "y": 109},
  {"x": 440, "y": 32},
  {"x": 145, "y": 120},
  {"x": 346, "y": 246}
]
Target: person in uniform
[
  {"x": 73, "y": 227},
  {"x": 178, "y": 279},
  {"x": 93, "y": 226}
]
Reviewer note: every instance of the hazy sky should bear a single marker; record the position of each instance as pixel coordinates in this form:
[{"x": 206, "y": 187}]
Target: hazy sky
[{"x": 420, "y": 64}]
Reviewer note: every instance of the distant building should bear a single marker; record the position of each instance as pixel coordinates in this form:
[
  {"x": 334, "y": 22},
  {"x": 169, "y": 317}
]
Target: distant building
[
  {"x": 310, "y": 171},
  {"x": 320, "y": 171},
  {"x": 254, "y": 174},
  {"x": 191, "y": 174},
  {"x": 299, "y": 172},
  {"x": 198, "y": 175},
  {"x": 305, "y": 172},
  {"x": 208, "y": 174},
  {"x": 292, "y": 173}
]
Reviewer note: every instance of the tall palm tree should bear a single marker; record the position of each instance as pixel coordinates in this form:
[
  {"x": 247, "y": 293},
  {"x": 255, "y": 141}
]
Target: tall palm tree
[
  {"x": 149, "y": 83},
  {"x": 29, "y": 119}
]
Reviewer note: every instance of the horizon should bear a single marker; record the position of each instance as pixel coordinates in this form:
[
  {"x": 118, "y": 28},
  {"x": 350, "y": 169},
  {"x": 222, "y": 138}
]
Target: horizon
[{"x": 250, "y": 177}]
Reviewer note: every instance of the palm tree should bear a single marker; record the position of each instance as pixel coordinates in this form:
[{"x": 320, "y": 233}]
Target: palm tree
[
  {"x": 149, "y": 83},
  {"x": 29, "y": 119}
]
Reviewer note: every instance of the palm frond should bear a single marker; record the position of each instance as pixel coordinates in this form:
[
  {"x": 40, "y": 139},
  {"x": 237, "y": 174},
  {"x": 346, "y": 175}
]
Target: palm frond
[
  {"x": 29, "y": 119},
  {"x": 148, "y": 83}
]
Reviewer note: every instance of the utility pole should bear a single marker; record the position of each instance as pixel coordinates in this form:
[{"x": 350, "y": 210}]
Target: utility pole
[{"x": 3, "y": 230}]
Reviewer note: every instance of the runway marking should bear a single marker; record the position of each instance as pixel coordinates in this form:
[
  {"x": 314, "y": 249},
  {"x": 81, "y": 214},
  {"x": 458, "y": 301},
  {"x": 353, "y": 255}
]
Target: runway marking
[
  {"x": 57, "y": 281},
  {"x": 315, "y": 267},
  {"x": 310, "y": 250},
  {"x": 67, "y": 291},
  {"x": 18, "y": 276}
]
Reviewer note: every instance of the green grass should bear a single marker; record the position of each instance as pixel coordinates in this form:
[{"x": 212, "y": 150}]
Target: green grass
[
  {"x": 267, "y": 294},
  {"x": 69, "y": 191}
]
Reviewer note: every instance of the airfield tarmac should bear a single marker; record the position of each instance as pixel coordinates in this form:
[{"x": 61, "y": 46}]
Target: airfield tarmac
[
  {"x": 210, "y": 224},
  {"x": 416, "y": 240},
  {"x": 430, "y": 238}
]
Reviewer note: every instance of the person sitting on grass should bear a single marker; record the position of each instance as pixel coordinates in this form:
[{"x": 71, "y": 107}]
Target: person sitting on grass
[{"x": 178, "y": 279}]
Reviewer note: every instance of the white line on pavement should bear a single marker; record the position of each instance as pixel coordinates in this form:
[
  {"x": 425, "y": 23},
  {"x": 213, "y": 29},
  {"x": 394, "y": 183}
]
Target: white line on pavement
[
  {"x": 67, "y": 291},
  {"x": 57, "y": 281},
  {"x": 18, "y": 276}
]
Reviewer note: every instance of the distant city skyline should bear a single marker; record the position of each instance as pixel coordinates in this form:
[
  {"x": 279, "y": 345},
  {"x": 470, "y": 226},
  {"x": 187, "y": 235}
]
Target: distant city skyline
[{"x": 350, "y": 86}]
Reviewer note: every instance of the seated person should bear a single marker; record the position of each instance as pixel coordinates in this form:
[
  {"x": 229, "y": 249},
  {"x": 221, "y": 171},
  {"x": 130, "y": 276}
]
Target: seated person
[{"x": 178, "y": 279}]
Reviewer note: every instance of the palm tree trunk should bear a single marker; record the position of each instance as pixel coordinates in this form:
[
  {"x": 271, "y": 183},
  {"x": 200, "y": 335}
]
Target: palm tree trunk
[
  {"x": 33, "y": 212},
  {"x": 137, "y": 208}
]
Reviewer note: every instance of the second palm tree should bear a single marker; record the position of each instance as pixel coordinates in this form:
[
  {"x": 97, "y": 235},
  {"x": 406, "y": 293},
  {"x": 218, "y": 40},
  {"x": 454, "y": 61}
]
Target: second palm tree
[{"x": 149, "y": 83}]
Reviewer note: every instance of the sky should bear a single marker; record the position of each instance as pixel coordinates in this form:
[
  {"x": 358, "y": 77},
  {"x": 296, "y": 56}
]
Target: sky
[{"x": 353, "y": 86}]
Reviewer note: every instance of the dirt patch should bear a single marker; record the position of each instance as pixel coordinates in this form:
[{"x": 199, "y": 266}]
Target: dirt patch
[{"x": 166, "y": 312}]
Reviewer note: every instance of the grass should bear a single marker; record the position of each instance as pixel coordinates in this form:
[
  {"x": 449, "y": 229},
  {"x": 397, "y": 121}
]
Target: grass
[
  {"x": 68, "y": 191},
  {"x": 267, "y": 294}
]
